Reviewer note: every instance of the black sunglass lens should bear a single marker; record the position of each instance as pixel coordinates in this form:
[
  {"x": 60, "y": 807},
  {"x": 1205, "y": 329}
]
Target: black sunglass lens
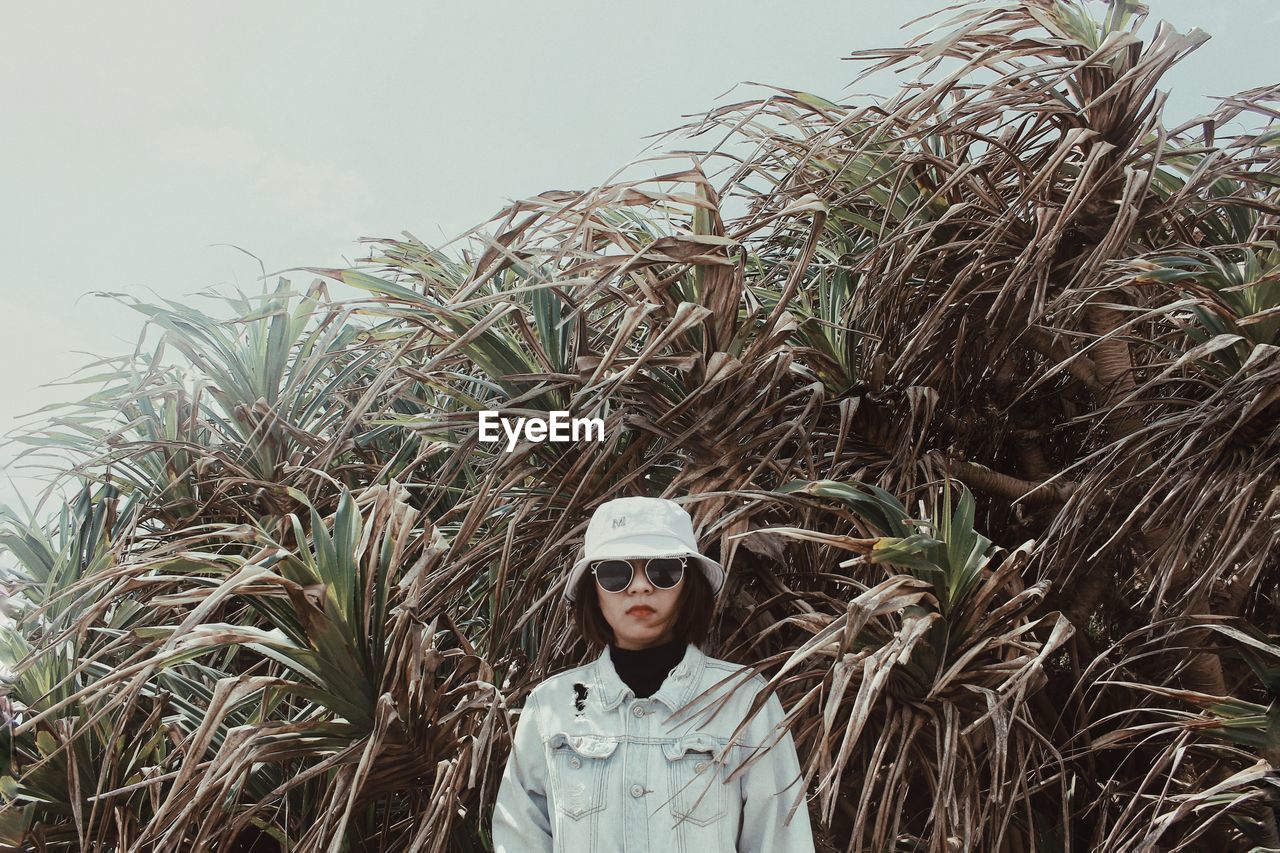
[
  {"x": 665, "y": 572},
  {"x": 613, "y": 575}
]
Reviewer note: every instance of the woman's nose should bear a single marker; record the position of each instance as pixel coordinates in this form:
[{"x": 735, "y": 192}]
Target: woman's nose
[{"x": 639, "y": 580}]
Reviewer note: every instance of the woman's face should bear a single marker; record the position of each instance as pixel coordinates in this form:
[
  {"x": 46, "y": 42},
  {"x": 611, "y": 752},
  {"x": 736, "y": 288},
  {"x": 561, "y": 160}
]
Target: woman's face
[{"x": 641, "y": 615}]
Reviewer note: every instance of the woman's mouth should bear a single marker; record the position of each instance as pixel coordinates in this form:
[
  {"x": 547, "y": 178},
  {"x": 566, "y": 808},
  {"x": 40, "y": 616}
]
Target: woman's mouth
[{"x": 641, "y": 610}]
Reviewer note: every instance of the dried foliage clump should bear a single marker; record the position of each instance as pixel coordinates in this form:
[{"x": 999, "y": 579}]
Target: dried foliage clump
[{"x": 976, "y": 395}]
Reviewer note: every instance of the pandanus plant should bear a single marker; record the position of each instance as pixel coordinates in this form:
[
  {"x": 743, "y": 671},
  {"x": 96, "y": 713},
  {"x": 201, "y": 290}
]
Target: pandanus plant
[{"x": 1012, "y": 296}]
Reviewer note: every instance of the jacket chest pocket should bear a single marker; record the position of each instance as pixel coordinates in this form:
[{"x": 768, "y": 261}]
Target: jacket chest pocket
[
  {"x": 698, "y": 792},
  {"x": 578, "y": 772}
]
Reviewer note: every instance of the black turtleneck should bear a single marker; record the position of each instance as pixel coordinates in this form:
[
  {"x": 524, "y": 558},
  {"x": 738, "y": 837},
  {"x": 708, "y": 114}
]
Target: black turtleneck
[{"x": 644, "y": 670}]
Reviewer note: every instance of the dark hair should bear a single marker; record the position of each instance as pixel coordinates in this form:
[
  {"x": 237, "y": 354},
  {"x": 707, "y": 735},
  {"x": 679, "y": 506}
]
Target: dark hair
[{"x": 693, "y": 609}]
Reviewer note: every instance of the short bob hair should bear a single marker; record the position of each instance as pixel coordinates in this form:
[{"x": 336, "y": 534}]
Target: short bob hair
[{"x": 693, "y": 616}]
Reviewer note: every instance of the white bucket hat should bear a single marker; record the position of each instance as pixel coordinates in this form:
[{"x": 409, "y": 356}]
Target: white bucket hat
[{"x": 628, "y": 528}]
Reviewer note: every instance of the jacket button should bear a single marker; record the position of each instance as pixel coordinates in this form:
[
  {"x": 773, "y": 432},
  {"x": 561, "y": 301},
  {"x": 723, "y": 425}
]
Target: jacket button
[
  {"x": 637, "y": 711},
  {"x": 575, "y": 762},
  {"x": 637, "y": 790},
  {"x": 697, "y": 768}
]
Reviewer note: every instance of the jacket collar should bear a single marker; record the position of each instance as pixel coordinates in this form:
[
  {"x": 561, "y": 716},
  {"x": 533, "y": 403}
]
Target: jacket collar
[{"x": 675, "y": 692}]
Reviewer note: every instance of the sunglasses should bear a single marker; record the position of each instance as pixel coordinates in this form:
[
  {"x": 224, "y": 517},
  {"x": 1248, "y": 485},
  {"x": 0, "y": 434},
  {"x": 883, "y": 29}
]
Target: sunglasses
[{"x": 616, "y": 575}]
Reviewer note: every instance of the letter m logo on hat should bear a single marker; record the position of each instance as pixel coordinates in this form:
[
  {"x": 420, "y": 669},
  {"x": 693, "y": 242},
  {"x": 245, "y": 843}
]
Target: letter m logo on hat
[{"x": 620, "y": 522}]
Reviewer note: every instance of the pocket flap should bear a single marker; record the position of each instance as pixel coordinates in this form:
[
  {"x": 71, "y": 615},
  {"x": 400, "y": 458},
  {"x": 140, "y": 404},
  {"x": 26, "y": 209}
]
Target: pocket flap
[
  {"x": 695, "y": 743},
  {"x": 588, "y": 746}
]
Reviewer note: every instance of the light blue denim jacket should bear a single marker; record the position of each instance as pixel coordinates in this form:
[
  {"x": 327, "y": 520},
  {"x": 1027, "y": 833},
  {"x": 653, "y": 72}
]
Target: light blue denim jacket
[{"x": 596, "y": 770}]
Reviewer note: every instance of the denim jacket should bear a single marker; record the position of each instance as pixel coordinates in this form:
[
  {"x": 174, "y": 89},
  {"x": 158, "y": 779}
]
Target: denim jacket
[{"x": 595, "y": 770}]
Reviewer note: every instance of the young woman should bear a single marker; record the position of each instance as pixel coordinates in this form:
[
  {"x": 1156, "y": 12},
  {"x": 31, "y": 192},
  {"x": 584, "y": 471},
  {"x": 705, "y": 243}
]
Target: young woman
[{"x": 602, "y": 762}]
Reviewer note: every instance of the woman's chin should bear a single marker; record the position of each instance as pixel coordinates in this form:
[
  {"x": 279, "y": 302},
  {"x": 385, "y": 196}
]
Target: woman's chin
[{"x": 640, "y": 638}]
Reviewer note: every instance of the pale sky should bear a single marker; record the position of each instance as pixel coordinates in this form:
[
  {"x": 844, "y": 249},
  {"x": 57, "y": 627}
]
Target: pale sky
[{"x": 136, "y": 135}]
